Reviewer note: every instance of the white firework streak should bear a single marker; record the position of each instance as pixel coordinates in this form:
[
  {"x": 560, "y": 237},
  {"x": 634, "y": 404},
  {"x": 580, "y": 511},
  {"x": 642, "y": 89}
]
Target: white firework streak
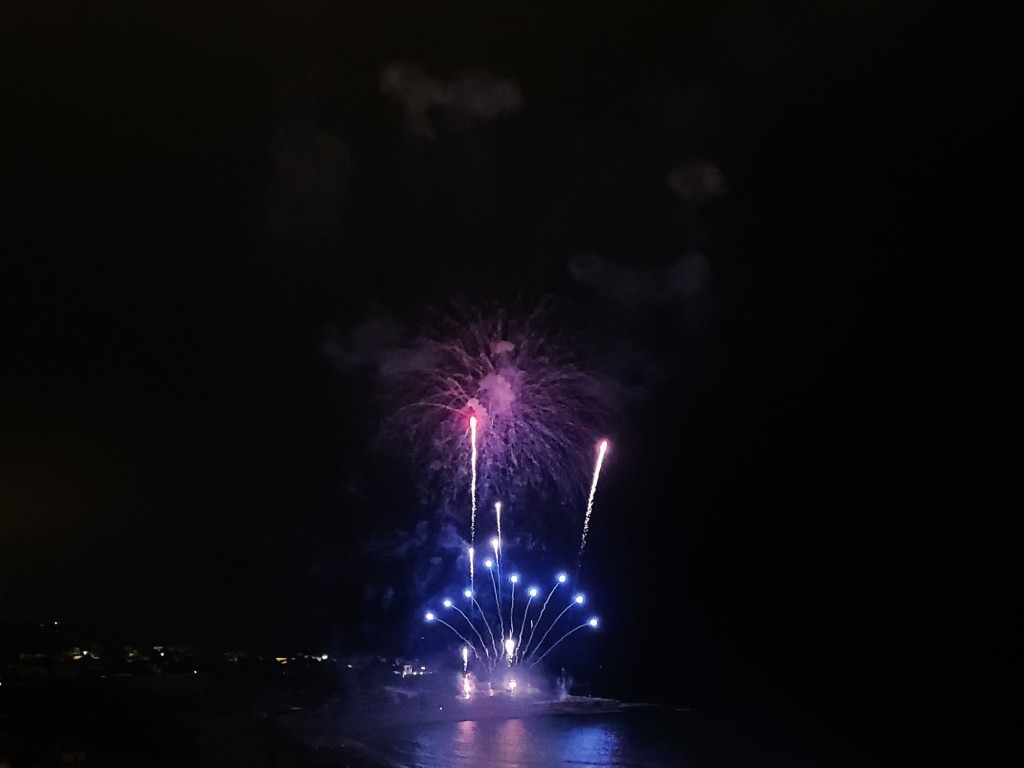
[
  {"x": 472, "y": 492},
  {"x": 593, "y": 489}
]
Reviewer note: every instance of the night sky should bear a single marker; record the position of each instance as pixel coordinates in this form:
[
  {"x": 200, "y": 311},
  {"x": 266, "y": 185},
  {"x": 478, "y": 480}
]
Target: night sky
[{"x": 790, "y": 232}]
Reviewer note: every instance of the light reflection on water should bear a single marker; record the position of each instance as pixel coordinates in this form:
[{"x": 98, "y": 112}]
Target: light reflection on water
[
  {"x": 587, "y": 741},
  {"x": 592, "y": 745},
  {"x": 464, "y": 739},
  {"x": 511, "y": 742}
]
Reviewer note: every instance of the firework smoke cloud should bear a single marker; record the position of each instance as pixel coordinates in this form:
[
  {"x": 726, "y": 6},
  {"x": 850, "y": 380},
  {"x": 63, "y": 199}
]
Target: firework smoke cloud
[{"x": 477, "y": 95}]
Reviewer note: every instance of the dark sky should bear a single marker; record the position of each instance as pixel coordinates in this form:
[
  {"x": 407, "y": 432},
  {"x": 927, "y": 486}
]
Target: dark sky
[{"x": 792, "y": 232}]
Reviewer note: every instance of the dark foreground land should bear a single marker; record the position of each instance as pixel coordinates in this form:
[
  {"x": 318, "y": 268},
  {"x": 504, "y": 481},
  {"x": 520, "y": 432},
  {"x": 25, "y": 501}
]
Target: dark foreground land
[{"x": 182, "y": 719}]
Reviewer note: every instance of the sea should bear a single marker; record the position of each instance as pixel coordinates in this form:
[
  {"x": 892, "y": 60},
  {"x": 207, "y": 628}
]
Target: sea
[
  {"x": 628, "y": 739},
  {"x": 632, "y": 738},
  {"x": 644, "y": 737}
]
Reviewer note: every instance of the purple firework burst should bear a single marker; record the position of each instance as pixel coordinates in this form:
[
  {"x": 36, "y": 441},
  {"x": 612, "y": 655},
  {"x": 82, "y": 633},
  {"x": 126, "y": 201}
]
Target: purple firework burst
[{"x": 540, "y": 411}]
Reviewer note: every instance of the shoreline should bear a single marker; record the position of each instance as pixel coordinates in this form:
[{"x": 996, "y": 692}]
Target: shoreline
[{"x": 444, "y": 709}]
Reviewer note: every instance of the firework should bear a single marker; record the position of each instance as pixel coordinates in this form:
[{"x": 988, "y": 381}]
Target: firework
[
  {"x": 602, "y": 450},
  {"x": 560, "y": 579},
  {"x": 472, "y": 494},
  {"x": 529, "y": 404},
  {"x": 472, "y": 486},
  {"x": 506, "y": 649},
  {"x": 497, "y": 520}
]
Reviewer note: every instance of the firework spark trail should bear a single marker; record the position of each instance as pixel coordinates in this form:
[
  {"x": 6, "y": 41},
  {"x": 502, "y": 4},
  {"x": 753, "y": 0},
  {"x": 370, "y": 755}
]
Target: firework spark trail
[
  {"x": 593, "y": 488},
  {"x": 575, "y": 601},
  {"x": 450, "y": 604},
  {"x": 591, "y": 623},
  {"x": 496, "y": 544},
  {"x": 439, "y": 620},
  {"x": 512, "y": 608},
  {"x": 497, "y": 517},
  {"x": 487, "y": 624},
  {"x": 497, "y": 598},
  {"x": 526, "y": 613},
  {"x": 533, "y": 629},
  {"x": 472, "y": 493}
]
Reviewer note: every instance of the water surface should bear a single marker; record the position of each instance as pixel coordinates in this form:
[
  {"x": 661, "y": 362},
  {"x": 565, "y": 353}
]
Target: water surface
[{"x": 631, "y": 739}]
